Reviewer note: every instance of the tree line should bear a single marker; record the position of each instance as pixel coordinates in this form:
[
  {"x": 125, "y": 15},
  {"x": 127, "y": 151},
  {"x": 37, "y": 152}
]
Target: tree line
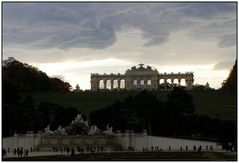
[
  {"x": 23, "y": 114},
  {"x": 27, "y": 78},
  {"x": 174, "y": 118},
  {"x": 27, "y": 116}
]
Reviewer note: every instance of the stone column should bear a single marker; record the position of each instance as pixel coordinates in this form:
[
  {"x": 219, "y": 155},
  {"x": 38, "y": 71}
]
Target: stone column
[
  {"x": 165, "y": 84},
  {"x": 128, "y": 83},
  {"x": 112, "y": 84},
  {"x": 145, "y": 84},
  {"x": 104, "y": 84},
  {"x": 189, "y": 84},
  {"x": 137, "y": 84},
  {"x": 172, "y": 83},
  {"x": 179, "y": 82},
  {"x": 118, "y": 86},
  {"x": 94, "y": 83}
]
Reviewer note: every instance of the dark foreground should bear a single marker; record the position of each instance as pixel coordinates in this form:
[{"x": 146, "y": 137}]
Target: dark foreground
[{"x": 157, "y": 156}]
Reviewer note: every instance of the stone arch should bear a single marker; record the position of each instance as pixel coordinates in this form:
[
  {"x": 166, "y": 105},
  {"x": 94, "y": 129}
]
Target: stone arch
[
  {"x": 122, "y": 83},
  {"x": 168, "y": 83},
  {"x": 149, "y": 82},
  {"x": 108, "y": 84},
  {"x": 101, "y": 84},
  {"x": 176, "y": 82},
  {"x": 161, "y": 84},
  {"x": 183, "y": 82},
  {"x": 141, "y": 82},
  {"x": 161, "y": 81},
  {"x": 115, "y": 84},
  {"x": 135, "y": 82}
]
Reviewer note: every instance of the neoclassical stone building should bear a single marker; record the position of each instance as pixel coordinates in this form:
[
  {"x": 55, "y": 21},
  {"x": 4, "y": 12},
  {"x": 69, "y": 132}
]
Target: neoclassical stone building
[{"x": 139, "y": 78}]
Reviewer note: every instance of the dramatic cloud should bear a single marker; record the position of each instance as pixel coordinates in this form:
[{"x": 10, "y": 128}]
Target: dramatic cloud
[
  {"x": 159, "y": 34},
  {"x": 224, "y": 65},
  {"x": 78, "y": 25}
]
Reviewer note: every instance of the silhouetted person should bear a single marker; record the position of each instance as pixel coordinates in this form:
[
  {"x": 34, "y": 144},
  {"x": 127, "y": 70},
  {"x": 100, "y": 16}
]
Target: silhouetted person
[
  {"x": 72, "y": 152},
  {"x": 18, "y": 152},
  {"x": 67, "y": 150},
  {"x": 4, "y": 153},
  {"x": 181, "y": 148},
  {"x": 31, "y": 149},
  {"x": 26, "y": 152},
  {"x": 169, "y": 148},
  {"x": 186, "y": 147},
  {"x": 194, "y": 148},
  {"x": 199, "y": 149},
  {"x": 21, "y": 152},
  {"x": 14, "y": 151}
]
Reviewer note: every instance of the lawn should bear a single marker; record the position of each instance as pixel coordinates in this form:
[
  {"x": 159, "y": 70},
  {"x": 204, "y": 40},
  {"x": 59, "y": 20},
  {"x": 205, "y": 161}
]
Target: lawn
[
  {"x": 136, "y": 156},
  {"x": 216, "y": 104}
]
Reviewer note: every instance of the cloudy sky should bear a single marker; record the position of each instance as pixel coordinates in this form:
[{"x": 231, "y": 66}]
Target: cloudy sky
[{"x": 73, "y": 40}]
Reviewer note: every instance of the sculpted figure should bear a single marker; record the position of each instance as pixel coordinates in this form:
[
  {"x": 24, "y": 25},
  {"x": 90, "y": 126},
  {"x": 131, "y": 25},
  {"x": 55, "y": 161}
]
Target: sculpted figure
[
  {"x": 93, "y": 130},
  {"x": 109, "y": 130},
  {"x": 47, "y": 130},
  {"x": 61, "y": 131},
  {"x": 86, "y": 123},
  {"x": 78, "y": 118}
]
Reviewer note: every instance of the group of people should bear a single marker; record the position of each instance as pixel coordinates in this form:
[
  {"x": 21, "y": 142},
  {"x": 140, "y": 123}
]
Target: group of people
[
  {"x": 79, "y": 150},
  {"x": 19, "y": 152},
  {"x": 195, "y": 148},
  {"x": 155, "y": 149}
]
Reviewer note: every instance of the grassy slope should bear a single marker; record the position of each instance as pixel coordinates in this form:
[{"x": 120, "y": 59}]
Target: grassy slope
[{"x": 212, "y": 103}]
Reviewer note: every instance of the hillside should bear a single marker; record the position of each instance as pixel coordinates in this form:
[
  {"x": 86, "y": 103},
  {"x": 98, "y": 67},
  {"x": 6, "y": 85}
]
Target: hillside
[
  {"x": 24, "y": 77},
  {"x": 230, "y": 83},
  {"x": 216, "y": 104}
]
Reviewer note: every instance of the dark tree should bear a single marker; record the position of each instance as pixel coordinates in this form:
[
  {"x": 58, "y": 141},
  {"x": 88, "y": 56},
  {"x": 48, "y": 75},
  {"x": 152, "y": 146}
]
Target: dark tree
[
  {"x": 27, "y": 78},
  {"x": 147, "y": 107},
  {"x": 230, "y": 83},
  {"x": 179, "y": 101}
]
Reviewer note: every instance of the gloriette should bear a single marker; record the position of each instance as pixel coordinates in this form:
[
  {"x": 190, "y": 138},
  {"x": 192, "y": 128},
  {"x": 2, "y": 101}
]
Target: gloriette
[{"x": 140, "y": 78}]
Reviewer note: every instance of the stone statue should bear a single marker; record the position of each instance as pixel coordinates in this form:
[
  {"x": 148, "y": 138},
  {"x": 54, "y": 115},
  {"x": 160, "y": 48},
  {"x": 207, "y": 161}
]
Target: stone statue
[
  {"x": 109, "y": 130},
  {"x": 93, "y": 130},
  {"x": 78, "y": 118},
  {"x": 61, "y": 131},
  {"x": 47, "y": 130},
  {"x": 149, "y": 68},
  {"x": 86, "y": 123}
]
